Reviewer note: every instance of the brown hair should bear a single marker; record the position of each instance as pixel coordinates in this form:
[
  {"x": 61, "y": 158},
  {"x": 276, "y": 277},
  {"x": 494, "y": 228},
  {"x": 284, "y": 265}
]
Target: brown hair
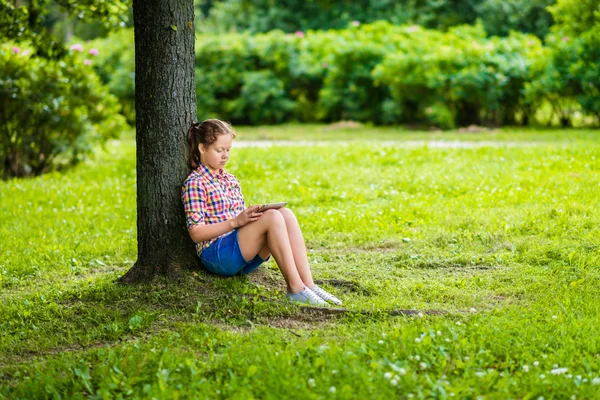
[{"x": 205, "y": 133}]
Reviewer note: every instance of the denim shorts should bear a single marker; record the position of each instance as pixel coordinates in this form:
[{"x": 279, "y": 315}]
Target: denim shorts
[{"x": 224, "y": 257}]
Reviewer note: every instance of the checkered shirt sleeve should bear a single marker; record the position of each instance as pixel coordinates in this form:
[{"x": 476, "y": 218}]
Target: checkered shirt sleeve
[{"x": 194, "y": 202}]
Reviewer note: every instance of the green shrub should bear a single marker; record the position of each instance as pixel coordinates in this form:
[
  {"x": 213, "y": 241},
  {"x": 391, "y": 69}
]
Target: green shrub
[
  {"x": 588, "y": 72},
  {"x": 556, "y": 81},
  {"x": 53, "y": 112},
  {"x": 459, "y": 77},
  {"x": 115, "y": 65},
  {"x": 380, "y": 73}
]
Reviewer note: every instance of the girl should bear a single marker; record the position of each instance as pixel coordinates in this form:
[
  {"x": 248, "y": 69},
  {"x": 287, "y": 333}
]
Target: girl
[{"x": 230, "y": 237}]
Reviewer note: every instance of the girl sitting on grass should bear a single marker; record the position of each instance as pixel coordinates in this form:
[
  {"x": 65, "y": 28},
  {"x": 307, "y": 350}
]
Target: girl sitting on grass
[{"x": 230, "y": 237}]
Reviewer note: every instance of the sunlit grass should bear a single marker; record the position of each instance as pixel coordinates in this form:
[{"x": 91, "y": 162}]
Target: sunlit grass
[{"x": 502, "y": 239}]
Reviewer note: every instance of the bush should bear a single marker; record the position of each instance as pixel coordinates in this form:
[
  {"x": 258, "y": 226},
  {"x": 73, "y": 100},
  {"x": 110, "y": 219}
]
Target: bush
[
  {"x": 53, "y": 112},
  {"x": 380, "y": 73},
  {"x": 115, "y": 65},
  {"x": 588, "y": 72},
  {"x": 459, "y": 77},
  {"x": 555, "y": 80}
]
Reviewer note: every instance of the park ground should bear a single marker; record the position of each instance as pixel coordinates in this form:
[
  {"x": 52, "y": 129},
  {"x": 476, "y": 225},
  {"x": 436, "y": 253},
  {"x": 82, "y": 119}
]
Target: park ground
[{"x": 467, "y": 271}]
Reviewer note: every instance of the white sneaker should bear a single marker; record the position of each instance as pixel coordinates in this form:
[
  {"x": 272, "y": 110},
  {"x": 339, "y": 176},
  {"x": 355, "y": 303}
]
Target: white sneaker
[
  {"x": 326, "y": 295},
  {"x": 306, "y": 296}
]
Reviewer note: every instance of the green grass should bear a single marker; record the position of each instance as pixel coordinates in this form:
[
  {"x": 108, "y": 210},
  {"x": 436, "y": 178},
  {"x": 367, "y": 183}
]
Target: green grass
[{"x": 502, "y": 239}]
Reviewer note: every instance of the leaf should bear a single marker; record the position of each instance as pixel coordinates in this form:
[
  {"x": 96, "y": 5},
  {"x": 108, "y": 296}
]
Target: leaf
[
  {"x": 174, "y": 28},
  {"x": 252, "y": 370},
  {"x": 135, "y": 322}
]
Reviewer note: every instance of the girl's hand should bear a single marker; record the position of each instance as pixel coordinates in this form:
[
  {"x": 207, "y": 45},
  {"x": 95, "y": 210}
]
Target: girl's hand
[{"x": 247, "y": 216}]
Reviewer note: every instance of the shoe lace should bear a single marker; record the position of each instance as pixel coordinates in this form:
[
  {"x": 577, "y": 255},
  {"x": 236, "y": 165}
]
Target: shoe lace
[{"x": 313, "y": 296}]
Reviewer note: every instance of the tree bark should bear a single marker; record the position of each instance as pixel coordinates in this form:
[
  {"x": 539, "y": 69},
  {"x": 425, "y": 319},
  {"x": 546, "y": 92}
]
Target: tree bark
[{"x": 165, "y": 105}]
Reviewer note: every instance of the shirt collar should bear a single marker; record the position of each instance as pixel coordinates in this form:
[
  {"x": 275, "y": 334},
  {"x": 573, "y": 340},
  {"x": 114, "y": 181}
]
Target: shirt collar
[{"x": 204, "y": 170}]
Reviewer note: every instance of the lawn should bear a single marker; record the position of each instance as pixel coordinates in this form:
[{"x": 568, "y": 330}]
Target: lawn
[{"x": 493, "y": 250}]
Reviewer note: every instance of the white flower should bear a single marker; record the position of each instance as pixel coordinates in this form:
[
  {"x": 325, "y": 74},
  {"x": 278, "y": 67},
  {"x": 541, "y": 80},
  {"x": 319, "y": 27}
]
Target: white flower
[
  {"x": 458, "y": 323},
  {"x": 542, "y": 376},
  {"x": 381, "y": 342},
  {"x": 554, "y": 317},
  {"x": 544, "y": 356},
  {"x": 526, "y": 368},
  {"x": 473, "y": 310},
  {"x": 332, "y": 389},
  {"x": 420, "y": 315},
  {"x": 558, "y": 371},
  {"x": 535, "y": 363},
  {"x": 311, "y": 382},
  {"x": 402, "y": 371},
  {"x": 596, "y": 381},
  {"x": 418, "y": 357},
  {"x": 394, "y": 382},
  {"x": 438, "y": 333},
  {"x": 447, "y": 340},
  {"x": 569, "y": 376},
  {"x": 467, "y": 358},
  {"x": 480, "y": 374},
  {"x": 417, "y": 340},
  {"x": 423, "y": 365},
  {"x": 334, "y": 371},
  {"x": 387, "y": 375}
]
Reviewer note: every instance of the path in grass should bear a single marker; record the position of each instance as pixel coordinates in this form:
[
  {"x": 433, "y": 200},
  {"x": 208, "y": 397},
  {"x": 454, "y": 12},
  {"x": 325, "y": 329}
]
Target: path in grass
[{"x": 437, "y": 144}]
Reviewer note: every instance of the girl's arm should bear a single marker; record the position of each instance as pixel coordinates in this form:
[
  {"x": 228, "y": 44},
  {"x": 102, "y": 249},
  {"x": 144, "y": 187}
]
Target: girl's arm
[{"x": 201, "y": 233}]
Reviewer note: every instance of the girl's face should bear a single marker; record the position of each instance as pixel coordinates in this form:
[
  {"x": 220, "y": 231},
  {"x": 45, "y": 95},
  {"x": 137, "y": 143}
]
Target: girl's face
[{"x": 216, "y": 155}]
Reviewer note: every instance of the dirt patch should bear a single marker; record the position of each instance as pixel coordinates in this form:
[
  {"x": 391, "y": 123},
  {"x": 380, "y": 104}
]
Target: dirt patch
[
  {"x": 345, "y": 124},
  {"x": 299, "y": 323},
  {"x": 345, "y": 284},
  {"x": 475, "y": 129},
  {"x": 268, "y": 278}
]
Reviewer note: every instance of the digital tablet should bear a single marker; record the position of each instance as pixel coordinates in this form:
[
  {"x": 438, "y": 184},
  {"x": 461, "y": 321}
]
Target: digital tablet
[{"x": 271, "y": 206}]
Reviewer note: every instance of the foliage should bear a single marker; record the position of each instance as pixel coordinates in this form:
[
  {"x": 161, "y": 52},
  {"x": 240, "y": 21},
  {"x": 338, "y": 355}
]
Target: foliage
[
  {"x": 573, "y": 17},
  {"x": 498, "y": 17},
  {"x": 29, "y": 22},
  {"x": 504, "y": 238},
  {"x": 53, "y": 112},
  {"x": 114, "y": 64},
  {"x": 588, "y": 72}
]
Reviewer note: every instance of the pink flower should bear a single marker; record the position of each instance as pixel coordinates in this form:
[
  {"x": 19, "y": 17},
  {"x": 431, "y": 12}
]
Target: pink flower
[
  {"x": 16, "y": 49},
  {"x": 299, "y": 34},
  {"x": 94, "y": 52},
  {"x": 565, "y": 38},
  {"x": 76, "y": 47},
  {"x": 87, "y": 62},
  {"x": 355, "y": 23},
  {"x": 325, "y": 65}
]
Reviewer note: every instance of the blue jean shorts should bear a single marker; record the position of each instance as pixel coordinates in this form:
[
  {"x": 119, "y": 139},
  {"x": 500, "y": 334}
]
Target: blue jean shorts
[{"x": 224, "y": 257}]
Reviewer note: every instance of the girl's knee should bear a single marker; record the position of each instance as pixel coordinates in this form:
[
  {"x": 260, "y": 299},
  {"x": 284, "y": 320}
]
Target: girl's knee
[
  {"x": 272, "y": 217},
  {"x": 287, "y": 214}
]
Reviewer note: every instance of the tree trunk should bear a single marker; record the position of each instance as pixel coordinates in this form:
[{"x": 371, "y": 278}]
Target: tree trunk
[{"x": 165, "y": 105}]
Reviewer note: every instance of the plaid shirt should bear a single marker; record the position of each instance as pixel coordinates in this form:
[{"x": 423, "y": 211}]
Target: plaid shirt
[{"x": 211, "y": 197}]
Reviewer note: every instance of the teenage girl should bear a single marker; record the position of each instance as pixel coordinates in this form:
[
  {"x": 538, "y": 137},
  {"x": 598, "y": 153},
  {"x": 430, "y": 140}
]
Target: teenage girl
[{"x": 230, "y": 237}]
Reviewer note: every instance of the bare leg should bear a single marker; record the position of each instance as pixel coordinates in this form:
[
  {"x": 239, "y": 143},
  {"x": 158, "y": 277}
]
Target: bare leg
[
  {"x": 270, "y": 230},
  {"x": 298, "y": 246}
]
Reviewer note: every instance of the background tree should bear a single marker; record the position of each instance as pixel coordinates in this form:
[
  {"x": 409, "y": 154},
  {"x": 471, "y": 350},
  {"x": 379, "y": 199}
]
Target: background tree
[{"x": 165, "y": 101}]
